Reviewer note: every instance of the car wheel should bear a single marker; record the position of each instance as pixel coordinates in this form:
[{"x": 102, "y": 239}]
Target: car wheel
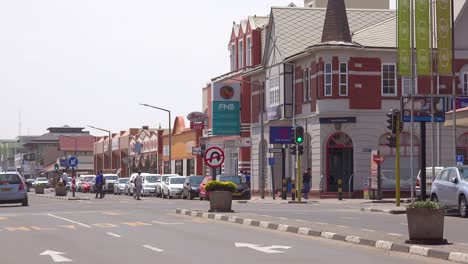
[
  {"x": 434, "y": 198},
  {"x": 463, "y": 206},
  {"x": 25, "y": 202}
]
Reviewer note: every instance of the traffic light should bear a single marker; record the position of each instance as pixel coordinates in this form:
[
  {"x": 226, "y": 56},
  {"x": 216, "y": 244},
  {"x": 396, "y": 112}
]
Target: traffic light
[
  {"x": 391, "y": 141},
  {"x": 298, "y": 135},
  {"x": 56, "y": 167},
  {"x": 391, "y": 121},
  {"x": 300, "y": 149},
  {"x": 293, "y": 149}
]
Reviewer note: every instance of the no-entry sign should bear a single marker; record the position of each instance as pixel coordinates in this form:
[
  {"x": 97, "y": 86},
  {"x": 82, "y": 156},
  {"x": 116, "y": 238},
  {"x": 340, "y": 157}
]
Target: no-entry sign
[
  {"x": 378, "y": 158},
  {"x": 214, "y": 157}
]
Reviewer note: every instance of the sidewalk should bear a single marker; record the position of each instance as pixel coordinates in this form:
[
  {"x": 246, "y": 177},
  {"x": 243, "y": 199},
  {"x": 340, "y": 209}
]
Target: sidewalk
[{"x": 452, "y": 252}]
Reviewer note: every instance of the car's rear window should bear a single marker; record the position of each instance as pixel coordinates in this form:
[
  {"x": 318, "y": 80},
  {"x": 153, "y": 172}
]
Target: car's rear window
[
  {"x": 234, "y": 179},
  {"x": 111, "y": 178},
  {"x": 177, "y": 180},
  {"x": 41, "y": 179},
  {"x": 9, "y": 179}
]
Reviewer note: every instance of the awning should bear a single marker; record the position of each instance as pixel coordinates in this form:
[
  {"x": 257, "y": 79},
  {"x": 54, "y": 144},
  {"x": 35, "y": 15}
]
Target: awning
[{"x": 462, "y": 118}]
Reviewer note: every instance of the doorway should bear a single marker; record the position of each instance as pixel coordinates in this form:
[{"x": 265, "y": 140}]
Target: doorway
[{"x": 339, "y": 162}]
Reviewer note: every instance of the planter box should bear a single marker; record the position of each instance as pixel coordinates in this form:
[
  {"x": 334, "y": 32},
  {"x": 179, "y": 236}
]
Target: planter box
[
  {"x": 426, "y": 225},
  {"x": 39, "y": 189},
  {"x": 60, "y": 190},
  {"x": 220, "y": 201}
]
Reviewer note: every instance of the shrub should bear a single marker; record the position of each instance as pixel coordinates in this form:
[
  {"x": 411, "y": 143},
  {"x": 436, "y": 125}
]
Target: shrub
[
  {"x": 424, "y": 204},
  {"x": 212, "y": 186},
  {"x": 40, "y": 184}
]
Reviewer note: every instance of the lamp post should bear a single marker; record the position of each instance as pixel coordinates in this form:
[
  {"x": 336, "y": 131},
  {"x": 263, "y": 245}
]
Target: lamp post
[
  {"x": 73, "y": 168},
  {"x": 170, "y": 139},
  {"x": 110, "y": 143}
]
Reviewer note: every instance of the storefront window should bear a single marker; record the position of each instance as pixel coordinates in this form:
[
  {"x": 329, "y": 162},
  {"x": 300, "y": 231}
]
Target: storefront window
[
  {"x": 166, "y": 167},
  {"x": 190, "y": 166},
  {"x": 179, "y": 167}
]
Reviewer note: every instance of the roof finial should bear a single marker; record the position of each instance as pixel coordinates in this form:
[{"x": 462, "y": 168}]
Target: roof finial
[{"x": 336, "y": 27}]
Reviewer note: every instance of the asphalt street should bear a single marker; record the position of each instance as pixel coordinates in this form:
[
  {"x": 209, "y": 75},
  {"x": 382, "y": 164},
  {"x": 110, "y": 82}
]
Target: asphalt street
[{"x": 123, "y": 230}]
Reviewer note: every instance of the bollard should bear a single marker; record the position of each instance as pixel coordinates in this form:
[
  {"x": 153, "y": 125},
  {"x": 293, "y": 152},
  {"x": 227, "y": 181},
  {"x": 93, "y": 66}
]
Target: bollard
[
  {"x": 284, "y": 193},
  {"x": 293, "y": 190},
  {"x": 340, "y": 189}
]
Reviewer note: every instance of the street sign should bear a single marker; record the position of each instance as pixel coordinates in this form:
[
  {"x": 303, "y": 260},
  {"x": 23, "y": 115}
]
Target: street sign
[
  {"x": 196, "y": 151},
  {"x": 275, "y": 150},
  {"x": 63, "y": 163},
  {"x": 73, "y": 162},
  {"x": 214, "y": 157},
  {"x": 281, "y": 135},
  {"x": 196, "y": 126},
  {"x": 196, "y": 117},
  {"x": 377, "y": 158},
  {"x": 460, "y": 158},
  {"x": 226, "y": 118},
  {"x": 271, "y": 161}
]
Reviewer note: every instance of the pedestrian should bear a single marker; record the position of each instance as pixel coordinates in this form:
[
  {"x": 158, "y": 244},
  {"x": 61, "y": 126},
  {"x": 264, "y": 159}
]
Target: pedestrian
[
  {"x": 138, "y": 185},
  {"x": 306, "y": 179},
  {"x": 99, "y": 184},
  {"x": 247, "y": 178},
  {"x": 64, "y": 177}
]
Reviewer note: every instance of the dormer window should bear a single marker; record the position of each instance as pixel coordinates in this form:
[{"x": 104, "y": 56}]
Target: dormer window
[
  {"x": 248, "y": 60},
  {"x": 241, "y": 54},
  {"x": 233, "y": 57}
]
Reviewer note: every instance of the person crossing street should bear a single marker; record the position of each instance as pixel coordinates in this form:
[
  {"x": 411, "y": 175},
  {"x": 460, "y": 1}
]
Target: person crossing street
[{"x": 138, "y": 186}]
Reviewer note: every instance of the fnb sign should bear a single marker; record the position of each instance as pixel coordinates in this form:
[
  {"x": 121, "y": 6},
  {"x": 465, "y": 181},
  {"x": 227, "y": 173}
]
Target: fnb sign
[
  {"x": 226, "y": 118},
  {"x": 223, "y": 107}
]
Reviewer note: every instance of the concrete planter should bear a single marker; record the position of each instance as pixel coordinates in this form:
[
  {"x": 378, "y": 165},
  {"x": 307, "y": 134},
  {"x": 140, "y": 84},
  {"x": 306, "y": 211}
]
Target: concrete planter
[
  {"x": 39, "y": 189},
  {"x": 425, "y": 225},
  {"x": 220, "y": 201},
  {"x": 60, "y": 190}
]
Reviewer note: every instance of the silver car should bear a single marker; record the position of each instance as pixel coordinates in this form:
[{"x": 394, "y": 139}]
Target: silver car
[
  {"x": 159, "y": 184},
  {"x": 450, "y": 188},
  {"x": 119, "y": 187},
  {"x": 111, "y": 180},
  {"x": 149, "y": 184},
  {"x": 13, "y": 188}
]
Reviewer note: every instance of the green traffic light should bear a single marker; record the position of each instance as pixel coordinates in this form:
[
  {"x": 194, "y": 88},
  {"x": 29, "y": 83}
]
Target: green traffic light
[{"x": 299, "y": 139}]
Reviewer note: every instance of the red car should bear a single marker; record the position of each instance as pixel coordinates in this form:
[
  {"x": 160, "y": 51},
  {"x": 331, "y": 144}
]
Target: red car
[
  {"x": 203, "y": 193},
  {"x": 86, "y": 186}
]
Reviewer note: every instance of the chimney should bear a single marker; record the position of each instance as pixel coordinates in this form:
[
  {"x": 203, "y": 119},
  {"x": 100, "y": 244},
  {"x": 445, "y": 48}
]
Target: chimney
[
  {"x": 335, "y": 27},
  {"x": 309, "y": 3},
  {"x": 145, "y": 127}
]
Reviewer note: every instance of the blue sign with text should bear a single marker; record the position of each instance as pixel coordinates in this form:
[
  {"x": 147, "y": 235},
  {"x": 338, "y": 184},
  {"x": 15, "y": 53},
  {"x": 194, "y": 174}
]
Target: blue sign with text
[
  {"x": 460, "y": 158},
  {"x": 73, "y": 161},
  {"x": 281, "y": 135}
]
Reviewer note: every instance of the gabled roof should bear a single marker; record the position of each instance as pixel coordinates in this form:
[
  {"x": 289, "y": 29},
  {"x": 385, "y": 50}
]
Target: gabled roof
[
  {"x": 298, "y": 28},
  {"x": 258, "y": 21}
]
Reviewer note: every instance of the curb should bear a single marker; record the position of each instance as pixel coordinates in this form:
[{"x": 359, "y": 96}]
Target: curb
[
  {"x": 46, "y": 196},
  {"x": 387, "y": 211},
  {"x": 381, "y": 244}
]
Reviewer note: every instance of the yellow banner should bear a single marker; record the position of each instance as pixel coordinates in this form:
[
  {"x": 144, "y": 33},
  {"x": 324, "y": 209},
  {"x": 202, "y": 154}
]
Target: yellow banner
[
  {"x": 444, "y": 37},
  {"x": 421, "y": 26},
  {"x": 404, "y": 37}
]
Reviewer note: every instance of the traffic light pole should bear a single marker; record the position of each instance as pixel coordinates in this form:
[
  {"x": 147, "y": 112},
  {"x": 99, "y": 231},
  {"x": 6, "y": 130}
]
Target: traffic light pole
[
  {"x": 299, "y": 178},
  {"x": 397, "y": 160}
]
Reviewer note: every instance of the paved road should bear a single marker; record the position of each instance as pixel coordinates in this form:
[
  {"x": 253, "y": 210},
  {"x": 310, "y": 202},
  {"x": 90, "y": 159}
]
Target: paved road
[{"x": 122, "y": 230}]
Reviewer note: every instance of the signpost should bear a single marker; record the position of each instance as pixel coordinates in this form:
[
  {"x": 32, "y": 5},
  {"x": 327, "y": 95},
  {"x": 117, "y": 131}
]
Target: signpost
[
  {"x": 214, "y": 157},
  {"x": 73, "y": 162},
  {"x": 271, "y": 162}
]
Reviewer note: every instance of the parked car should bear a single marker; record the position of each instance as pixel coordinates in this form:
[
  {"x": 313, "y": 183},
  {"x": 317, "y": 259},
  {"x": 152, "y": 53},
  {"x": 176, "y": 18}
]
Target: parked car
[
  {"x": 110, "y": 179},
  {"x": 69, "y": 182},
  {"x": 450, "y": 188},
  {"x": 82, "y": 180},
  {"x": 429, "y": 180},
  {"x": 191, "y": 187},
  {"x": 160, "y": 183},
  {"x": 149, "y": 184},
  {"x": 119, "y": 187},
  {"x": 242, "y": 190},
  {"x": 203, "y": 193},
  {"x": 13, "y": 188},
  {"x": 29, "y": 183},
  {"x": 42, "y": 180},
  {"x": 86, "y": 185},
  {"x": 130, "y": 185},
  {"x": 172, "y": 187}
]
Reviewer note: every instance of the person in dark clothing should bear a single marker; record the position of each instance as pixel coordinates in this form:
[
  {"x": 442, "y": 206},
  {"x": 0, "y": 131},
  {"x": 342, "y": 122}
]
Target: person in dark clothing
[
  {"x": 306, "y": 183},
  {"x": 99, "y": 185}
]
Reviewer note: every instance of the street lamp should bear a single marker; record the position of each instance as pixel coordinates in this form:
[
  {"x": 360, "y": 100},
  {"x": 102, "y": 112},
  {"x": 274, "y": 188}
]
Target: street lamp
[
  {"x": 110, "y": 143},
  {"x": 170, "y": 139}
]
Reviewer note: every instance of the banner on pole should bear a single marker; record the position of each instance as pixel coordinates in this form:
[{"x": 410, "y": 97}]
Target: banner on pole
[
  {"x": 404, "y": 38},
  {"x": 444, "y": 37},
  {"x": 422, "y": 30}
]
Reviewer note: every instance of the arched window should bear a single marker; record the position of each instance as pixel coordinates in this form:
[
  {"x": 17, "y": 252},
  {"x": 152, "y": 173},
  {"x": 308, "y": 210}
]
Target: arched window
[{"x": 340, "y": 140}]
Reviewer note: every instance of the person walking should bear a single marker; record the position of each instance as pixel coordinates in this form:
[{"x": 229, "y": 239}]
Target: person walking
[
  {"x": 138, "y": 185},
  {"x": 306, "y": 179},
  {"x": 99, "y": 181}
]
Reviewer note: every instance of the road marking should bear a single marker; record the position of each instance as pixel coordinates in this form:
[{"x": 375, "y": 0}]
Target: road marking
[
  {"x": 111, "y": 213},
  {"x": 394, "y": 234},
  {"x": 20, "y": 228},
  {"x": 265, "y": 215},
  {"x": 68, "y": 220},
  {"x": 267, "y": 249},
  {"x": 153, "y": 248},
  {"x": 349, "y": 218},
  {"x": 283, "y": 218},
  {"x": 166, "y": 223},
  {"x": 405, "y": 224},
  {"x": 105, "y": 225},
  {"x": 299, "y": 220},
  {"x": 320, "y": 223},
  {"x": 3, "y": 218},
  {"x": 112, "y": 234},
  {"x": 136, "y": 223},
  {"x": 56, "y": 256},
  {"x": 368, "y": 230},
  {"x": 342, "y": 226}
]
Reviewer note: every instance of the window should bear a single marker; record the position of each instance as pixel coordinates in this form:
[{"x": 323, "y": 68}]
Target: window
[
  {"x": 241, "y": 54},
  {"x": 190, "y": 166},
  {"x": 344, "y": 79},
  {"x": 388, "y": 80},
  {"x": 328, "y": 80},
  {"x": 233, "y": 57},
  {"x": 406, "y": 85},
  {"x": 179, "y": 167},
  {"x": 274, "y": 91},
  {"x": 306, "y": 85},
  {"x": 465, "y": 83},
  {"x": 248, "y": 60}
]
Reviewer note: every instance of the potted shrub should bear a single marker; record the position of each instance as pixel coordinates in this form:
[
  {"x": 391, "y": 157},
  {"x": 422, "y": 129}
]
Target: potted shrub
[
  {"x": 60, "y": 189},
  {"x": 39, "y": 188},
  {"x": 220, "y": 195},
  {"x": 425, "y": 223}
]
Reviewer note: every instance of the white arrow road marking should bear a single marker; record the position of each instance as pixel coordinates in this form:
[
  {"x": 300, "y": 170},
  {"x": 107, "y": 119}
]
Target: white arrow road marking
[
  {"x": 266, "y": 249},
  {"x": 112, "y": 234},
  {"x": 56, "y": 256},
  {"x": 68, "y": 220},
  {"x": 153, "y": 248}
]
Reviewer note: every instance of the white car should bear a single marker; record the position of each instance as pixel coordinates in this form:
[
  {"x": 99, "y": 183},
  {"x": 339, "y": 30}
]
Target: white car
[
  {"x": 160, "y": 183},
  {"x": 173, "y": 186},
  {"x": 42, "y": 180},
  {"x": 119, "y": 187},
  {"x": 149, "y": 184},
  {"x": 111, "y": 180}
]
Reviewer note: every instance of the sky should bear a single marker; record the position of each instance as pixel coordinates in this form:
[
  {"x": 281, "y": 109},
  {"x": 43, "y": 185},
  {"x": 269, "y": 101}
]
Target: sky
[{"x": 91, "y": 62}]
